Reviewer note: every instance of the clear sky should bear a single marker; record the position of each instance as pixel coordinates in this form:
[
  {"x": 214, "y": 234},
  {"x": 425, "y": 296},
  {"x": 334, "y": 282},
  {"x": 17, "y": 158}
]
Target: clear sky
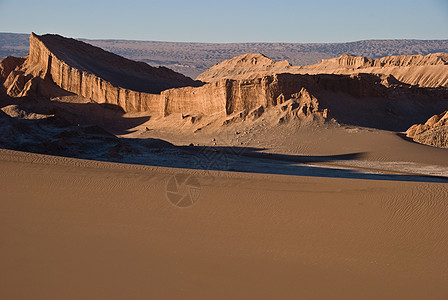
[{"x": 229, "y": 21}]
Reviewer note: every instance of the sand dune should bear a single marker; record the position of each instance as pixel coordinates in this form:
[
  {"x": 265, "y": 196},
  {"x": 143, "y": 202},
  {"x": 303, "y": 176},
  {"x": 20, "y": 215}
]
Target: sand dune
[{"x": 82, "y": 229}]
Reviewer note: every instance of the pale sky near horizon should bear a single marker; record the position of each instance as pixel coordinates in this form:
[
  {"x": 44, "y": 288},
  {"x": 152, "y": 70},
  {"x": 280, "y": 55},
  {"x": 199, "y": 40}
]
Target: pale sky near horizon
[{"x": 229, "y": 21}]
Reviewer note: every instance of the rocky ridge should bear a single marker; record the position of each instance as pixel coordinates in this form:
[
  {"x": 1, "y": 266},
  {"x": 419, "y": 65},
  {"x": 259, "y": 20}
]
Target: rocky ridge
[
  {"x": 420, "y": 70},
  {"x": 90, "y": 72}
]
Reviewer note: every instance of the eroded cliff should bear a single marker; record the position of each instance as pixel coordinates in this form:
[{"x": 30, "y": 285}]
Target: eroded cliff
[
  {"x": 420, "y": 70},
  {"x": 56, "y": 64},
  {"x": 90, "y": 72}
]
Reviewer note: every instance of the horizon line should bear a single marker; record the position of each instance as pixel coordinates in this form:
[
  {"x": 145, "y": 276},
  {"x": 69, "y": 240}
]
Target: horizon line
[{"x": 251, "y": 42}]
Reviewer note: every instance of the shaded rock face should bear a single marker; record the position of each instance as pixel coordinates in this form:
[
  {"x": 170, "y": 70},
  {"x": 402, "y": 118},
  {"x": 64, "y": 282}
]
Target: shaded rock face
[{"x": 433, "y": 133}]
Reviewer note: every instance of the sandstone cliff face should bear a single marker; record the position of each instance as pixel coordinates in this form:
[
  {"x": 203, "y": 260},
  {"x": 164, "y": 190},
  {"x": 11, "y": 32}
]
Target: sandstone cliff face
[
  {"x": 358, "y": 62},
  {"x": 227, "y": 97},
  {"x": 420, "y": 70},
  {"x": 224, "y": 97},
  {"x": 67, "y": 54},
  {"x": 433, "y": 133},
  {"x": 92, "y": 73},
  {"x": 425, "y": 71},
  {"x": 66, "y": 68},
  {"x": 55, "y": 62},
  {"x": 348, "y": 61}
]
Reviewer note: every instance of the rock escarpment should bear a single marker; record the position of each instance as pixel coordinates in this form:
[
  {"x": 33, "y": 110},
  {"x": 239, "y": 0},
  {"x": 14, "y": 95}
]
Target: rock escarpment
[
  {"x": 420, "y": 70},
  {"x": 245, "y": 87},
  {"x": 90, "y": 72},
  {"x": 58, "y": 57},
  {"x": 359, "y": 62},
  {"x": 227, "y": 97},
  {"x": 102, "y": 77},
  {"x": 433, "y": 133}
]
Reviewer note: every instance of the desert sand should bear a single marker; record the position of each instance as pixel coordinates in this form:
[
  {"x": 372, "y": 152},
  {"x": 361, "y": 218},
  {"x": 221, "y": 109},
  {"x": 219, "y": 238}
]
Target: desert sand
[
  {"x": 83, "y": 229},
  {"x": 257, "y": 184}
]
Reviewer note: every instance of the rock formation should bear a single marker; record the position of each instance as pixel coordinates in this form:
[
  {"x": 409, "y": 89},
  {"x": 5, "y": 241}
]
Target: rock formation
[
  {"x": 245, "y": 87},
  {"x": 425, "y": 71},
  {"x": 227, "y": 97},
  {"x": 433, "y": 133},
  {"x": 240, "y": 66},
  {"x": 90, "y": 72}
]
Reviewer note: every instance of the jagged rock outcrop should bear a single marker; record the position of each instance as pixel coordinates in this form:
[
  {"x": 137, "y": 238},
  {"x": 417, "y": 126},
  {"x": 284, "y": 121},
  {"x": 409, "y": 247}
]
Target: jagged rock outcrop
[
  {"x": 420, "y": 70},
  {"x": 302, "y": 106},
  {"x": 433, "y": 133}
]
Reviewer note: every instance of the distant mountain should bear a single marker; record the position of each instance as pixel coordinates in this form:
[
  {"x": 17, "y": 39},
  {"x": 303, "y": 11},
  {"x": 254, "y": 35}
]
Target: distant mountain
[
  {"x": 14, "y": 44},
  {"x": 194, "y": 58}
]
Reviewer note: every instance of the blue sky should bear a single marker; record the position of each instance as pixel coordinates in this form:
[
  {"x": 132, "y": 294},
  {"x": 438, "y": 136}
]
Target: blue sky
[{"x": 229, "y": 21}]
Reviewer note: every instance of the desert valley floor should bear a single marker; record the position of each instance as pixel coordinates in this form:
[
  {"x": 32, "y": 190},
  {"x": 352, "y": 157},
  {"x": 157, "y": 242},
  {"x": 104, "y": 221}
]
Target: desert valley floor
[
  {"x": 260, "y": 181},
  {"x": 82, "y": 229}
]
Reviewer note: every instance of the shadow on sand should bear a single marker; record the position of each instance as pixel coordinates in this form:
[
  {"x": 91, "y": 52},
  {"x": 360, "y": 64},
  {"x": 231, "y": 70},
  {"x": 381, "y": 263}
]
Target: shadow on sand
[
  {"x": 72, "y": 133},
  {"x": 253, "y": 160}
]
